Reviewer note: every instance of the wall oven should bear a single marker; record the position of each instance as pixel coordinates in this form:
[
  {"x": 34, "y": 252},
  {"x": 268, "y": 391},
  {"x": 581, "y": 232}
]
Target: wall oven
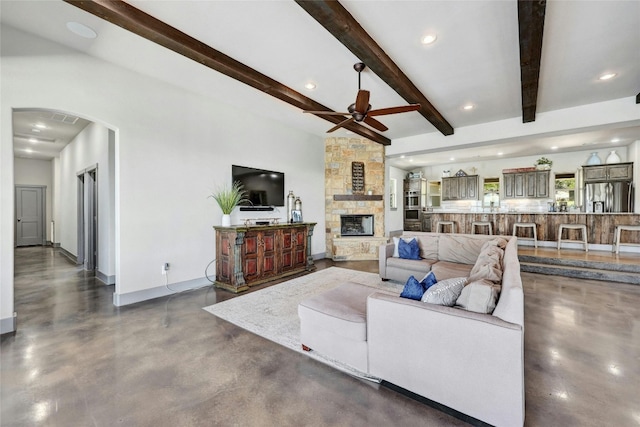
[{"x": 411, "y": 200}]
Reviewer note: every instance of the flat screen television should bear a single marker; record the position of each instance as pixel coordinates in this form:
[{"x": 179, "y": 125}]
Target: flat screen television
[{"x": 264, "y": 188}]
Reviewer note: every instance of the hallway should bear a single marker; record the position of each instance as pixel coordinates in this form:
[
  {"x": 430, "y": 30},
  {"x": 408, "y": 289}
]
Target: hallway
[{"x": 78, "y": 360}]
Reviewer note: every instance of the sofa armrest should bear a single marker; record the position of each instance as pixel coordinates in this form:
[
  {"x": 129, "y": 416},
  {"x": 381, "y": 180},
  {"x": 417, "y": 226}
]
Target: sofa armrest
[
  {"x": 470, "y": 362},
  {"x": 385, "y": 251}
]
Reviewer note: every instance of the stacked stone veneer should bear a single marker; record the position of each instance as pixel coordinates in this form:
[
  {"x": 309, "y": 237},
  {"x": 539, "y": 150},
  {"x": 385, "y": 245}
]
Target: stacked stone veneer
[{"x": 339, "y": 153}]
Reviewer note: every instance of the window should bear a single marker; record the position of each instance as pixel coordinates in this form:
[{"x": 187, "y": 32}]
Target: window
[
  {"x": 491, "y": 192},
  {"x": 565, "y": 189}
]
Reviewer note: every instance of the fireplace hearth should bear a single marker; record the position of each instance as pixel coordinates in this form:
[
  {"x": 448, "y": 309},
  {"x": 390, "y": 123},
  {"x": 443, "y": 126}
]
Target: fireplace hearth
[{"x": 356, "y": 225}]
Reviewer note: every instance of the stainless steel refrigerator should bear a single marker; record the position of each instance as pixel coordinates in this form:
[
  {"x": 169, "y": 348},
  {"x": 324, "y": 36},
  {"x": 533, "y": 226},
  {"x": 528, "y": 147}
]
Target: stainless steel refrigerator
[{"x": 611, "y": 196}]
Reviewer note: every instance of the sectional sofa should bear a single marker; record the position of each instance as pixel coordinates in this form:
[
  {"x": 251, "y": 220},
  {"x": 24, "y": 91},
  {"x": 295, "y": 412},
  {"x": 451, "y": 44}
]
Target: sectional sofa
[{"x": 469, "y": 361}]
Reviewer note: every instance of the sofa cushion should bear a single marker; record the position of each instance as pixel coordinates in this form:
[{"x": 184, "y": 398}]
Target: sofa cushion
[
  {"x": 489, "y": 263},
  {"x": 408, "y": 249},
  {"x": 479, "y": 296},
  {"x": 447, "y": 270},
  {"x": 422, "y": 265},
  {"x": 428, "y": 245},
  {"x": 461, "y": 248},
  {"x": 445, "y": 292},
  {"x": 341, "y": 310}
]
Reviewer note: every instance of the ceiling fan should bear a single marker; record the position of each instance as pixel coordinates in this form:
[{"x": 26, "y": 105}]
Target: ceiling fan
[{"x": 360, "y": 111}]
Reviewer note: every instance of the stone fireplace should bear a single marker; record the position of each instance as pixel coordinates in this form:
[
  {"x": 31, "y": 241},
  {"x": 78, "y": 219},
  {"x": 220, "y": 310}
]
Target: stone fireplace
[
  {"x": 356, "y": 225},
  {"x": 341, "y": 201}
]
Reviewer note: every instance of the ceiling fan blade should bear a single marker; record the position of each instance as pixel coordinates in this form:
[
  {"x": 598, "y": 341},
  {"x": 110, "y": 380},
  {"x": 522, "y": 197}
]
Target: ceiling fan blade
[
  {"x": 339, "y": 125},
  {"x": 394, "y": 110},
  {"x": 327, "y": 113},
  {"x": 375, "y": 124},
  {"x": 362, "y": 101}
]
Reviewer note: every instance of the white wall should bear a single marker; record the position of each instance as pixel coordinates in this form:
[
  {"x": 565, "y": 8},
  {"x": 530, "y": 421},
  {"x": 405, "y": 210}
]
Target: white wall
[
  {"x": 89, "y": 148},
  {"x": 393, "y": 218},
  {"x": 37, "y": 172},
  {"x": 172, "y": 148}
]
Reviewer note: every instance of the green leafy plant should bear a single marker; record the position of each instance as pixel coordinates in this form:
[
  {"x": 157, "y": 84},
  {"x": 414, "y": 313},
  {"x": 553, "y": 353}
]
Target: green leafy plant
[
  {"x": 544, "y": 161},
  {"x": 230, "y": 197}
]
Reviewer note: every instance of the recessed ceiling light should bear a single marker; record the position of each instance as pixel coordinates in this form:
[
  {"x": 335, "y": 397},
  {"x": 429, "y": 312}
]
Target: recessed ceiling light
[
  {"x": 452, "y": 158},
  {"x": 614, "y": 140},
  {"x": 554, "y": 148},
  {"x": 33, "y": 140},
  {"x": 402, "y": 157},
  {"x": 310, "y": 86},
  {"x": 34, "y": 130},
  {"x": 468, "y": 107},
  {"x": 429, "y": 38},
  {"x": 411, "y": 159},
  {"x": 500, "y": 154},
  {"x": 28, "y": 150},
  {"x": 40, "y": 126},
  {"x": 607, "y": 76},
  {"x": 81, "y": 30}
]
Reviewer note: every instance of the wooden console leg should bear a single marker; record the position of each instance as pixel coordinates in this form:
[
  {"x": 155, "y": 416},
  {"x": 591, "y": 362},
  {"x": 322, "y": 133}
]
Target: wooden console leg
[{"x": 305, "y": 348}]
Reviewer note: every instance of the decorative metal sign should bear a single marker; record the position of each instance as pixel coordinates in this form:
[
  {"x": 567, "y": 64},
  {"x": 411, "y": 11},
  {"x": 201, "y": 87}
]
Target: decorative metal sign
[{"x": 357, "y": 177}]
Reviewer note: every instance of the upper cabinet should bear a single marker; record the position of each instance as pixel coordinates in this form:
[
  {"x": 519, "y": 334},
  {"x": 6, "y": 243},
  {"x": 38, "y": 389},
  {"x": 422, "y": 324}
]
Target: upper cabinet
[
  {"x": 460, "y": 188},
  {"x": 612, "y": 172},
  {"x": 526, "y": 185}
]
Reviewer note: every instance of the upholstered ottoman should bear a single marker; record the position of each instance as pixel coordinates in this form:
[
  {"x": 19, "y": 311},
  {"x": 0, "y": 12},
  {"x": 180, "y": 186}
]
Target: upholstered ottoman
[{"x": 334, "y": 323}]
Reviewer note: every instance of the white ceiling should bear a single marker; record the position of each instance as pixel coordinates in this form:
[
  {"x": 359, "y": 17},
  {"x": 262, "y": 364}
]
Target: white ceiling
[{"x": 474, "y": 60}]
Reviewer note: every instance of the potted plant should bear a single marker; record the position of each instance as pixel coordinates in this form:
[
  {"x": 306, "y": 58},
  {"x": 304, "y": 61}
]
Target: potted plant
[
  {"x": 543, "y": 163},
  {"x": 228, "y": 199}
]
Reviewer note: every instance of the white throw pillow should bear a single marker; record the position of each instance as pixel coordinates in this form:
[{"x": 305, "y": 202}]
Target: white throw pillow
[{"x": 445, "y": 292}]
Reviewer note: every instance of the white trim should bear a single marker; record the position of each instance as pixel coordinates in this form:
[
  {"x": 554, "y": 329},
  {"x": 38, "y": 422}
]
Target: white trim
[
  {"x": 157, "y": 292},
  {"x": 9, "y": 324}
]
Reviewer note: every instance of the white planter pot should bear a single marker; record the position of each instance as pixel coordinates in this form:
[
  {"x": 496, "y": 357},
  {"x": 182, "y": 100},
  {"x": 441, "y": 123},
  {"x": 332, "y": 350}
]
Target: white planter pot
[{"x": 226, "y": 220}]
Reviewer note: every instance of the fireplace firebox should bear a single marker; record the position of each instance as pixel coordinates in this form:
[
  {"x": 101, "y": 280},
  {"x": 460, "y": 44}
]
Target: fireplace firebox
[{"x": 356, "y": 225}]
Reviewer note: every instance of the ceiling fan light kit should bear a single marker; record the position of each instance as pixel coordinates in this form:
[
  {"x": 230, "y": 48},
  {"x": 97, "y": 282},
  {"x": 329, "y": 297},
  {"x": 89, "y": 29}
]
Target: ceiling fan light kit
[{"x": 360, "y": 111}]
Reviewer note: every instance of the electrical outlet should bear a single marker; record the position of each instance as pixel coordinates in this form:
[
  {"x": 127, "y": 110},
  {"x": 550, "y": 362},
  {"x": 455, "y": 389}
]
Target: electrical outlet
[{"x": 165, "y": 268}]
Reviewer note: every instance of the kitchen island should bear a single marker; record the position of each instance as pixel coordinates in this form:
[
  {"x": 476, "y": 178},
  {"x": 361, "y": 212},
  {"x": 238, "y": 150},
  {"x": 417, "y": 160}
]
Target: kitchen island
[{"x": 600, "y": 226}]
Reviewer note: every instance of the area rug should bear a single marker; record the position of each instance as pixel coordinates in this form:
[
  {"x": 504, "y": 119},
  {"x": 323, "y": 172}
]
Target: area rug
[{"x": 272, "y": 312}]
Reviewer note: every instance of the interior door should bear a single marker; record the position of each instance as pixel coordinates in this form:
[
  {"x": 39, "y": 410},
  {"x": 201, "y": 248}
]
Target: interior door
[{"x": 29, "y": 215}]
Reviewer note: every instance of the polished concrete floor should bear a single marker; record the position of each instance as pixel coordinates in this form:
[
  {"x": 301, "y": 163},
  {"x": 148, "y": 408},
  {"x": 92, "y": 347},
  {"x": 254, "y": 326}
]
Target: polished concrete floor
[{"x": 76, "y": 360}]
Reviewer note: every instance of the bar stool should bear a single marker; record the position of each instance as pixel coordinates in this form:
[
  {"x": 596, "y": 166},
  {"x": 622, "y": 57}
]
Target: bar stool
[
  {"x": 481, "y": 224},
  {"x": 531, "y": 225},
  {"x": 443, "y": 223},
  {"x": 619, "y": 230},
  {"x": 581, "y": 227}
]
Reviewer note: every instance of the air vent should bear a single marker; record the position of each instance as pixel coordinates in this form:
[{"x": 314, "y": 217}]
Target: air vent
[
  {"x": 64, "y": 118},
  {"x": 59, "y": 117}
]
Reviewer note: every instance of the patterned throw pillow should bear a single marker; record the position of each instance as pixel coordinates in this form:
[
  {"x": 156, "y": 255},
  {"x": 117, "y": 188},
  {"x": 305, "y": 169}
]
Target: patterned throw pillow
[{"x": 445, "y": 292}]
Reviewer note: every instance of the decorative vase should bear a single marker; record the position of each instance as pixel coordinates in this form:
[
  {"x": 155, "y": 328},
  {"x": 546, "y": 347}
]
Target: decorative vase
[
  {"x": 226, "y": 220},
  {"x": 613, "y": 157},
  {"x": 543, "y": 167},
  {"x": 594, "y": 159}
]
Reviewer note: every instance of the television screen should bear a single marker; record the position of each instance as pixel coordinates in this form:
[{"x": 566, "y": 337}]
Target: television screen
[{"x": 263, "y": 187}]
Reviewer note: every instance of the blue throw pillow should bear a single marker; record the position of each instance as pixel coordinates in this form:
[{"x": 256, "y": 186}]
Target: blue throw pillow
[
  {"x": 428, "y": 281},
  {"x": 413, "y": 289},
  {"x": 408, "y": 250}
]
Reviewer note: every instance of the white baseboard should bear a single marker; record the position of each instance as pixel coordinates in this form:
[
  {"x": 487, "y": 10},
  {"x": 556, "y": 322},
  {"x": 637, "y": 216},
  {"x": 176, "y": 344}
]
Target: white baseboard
[
  {"x": 157, "y": 292},
  {"x": 8, "y": 324}
]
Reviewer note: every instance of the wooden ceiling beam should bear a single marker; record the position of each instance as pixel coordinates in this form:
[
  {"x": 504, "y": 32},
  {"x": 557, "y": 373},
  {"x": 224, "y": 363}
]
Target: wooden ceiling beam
[
  {"x": 144, "y": 25},
  {"x": 531, "y": 27},
  {"x": 343, "y": 26}
]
